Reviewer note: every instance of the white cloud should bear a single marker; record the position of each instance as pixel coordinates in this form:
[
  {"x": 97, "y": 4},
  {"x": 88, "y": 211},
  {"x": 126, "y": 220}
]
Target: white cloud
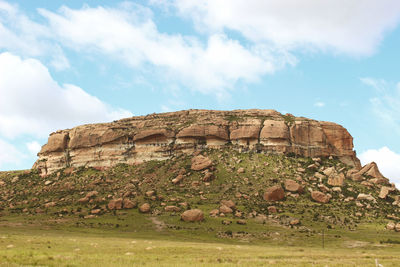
[
  {"x": 33, "y": 147},
  {"x": 9, "y": 154},
  {"x": 386, "y": 103},
  {"x": 348, "y": 26},
  {"x": 129, "y": 34},
  {"x": 319, "y": 104},
  {"x": 387, "y": 160},
  {"x": 33, "y": 103},
  {"x": 19, "y": 34}
]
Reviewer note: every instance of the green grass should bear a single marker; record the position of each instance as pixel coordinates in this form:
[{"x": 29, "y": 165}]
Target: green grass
[{"x": 52, "y": 245}]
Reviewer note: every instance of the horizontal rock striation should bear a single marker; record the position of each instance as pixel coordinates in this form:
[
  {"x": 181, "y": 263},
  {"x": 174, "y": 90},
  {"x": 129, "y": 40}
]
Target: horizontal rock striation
[{"x": 161, "y": 136}]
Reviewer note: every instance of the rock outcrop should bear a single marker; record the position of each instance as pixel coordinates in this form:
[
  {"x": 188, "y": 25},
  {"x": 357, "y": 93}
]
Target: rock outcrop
[{"x": 161, "y": 136}]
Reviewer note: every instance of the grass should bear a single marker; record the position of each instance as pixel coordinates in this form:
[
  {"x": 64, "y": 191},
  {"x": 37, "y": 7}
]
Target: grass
[{"x": 24, "y": 245}]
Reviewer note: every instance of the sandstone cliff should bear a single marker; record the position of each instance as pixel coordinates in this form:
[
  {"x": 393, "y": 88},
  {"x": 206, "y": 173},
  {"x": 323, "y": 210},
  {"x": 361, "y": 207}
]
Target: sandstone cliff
[{"x": 161, "y": 136}]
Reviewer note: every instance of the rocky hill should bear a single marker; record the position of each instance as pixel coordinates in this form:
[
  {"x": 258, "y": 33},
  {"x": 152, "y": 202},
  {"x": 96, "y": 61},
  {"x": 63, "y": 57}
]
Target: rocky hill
[
  {"x": 257, "y": 168},
  {"x": 162, "y": 136}
]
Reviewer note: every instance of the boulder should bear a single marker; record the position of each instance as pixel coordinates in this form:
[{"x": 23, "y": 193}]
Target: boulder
[
  {"x": 293, "y": 186},
  {"x": 214, "y": 212},
  {"x": 193, "y": 215},
  {"x": 368, "y": 197},
  {"x": 390, "y": 226},
  {"x": 336, "y": 179},
  {"x": 329, "y": 171},
  {"x": 128, "y": 204},
  {"x": 274, "y": 193},
  {"x": 145, "y": 208},
  {"x": 384, "y": 192},
  {"x": 172, "y": 209},
  {"x": 241, "y": 222},
  {"x": 115, "y": 204},
  {"x": 320, "y": 197},
  {"x": 228, "y": 203},
  {"x": 200, "y": 163},
  {"x": 225, "y": 210},
  {"x": 272, "y": 209},
  {"x": 178, "y": 179},
  {"x": 397, "y": 227},
  {"x": 371, "y": 169}
]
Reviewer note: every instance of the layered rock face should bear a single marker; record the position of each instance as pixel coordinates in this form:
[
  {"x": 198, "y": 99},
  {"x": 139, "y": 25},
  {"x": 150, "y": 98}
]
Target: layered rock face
[{"x": 161, "y": 136}]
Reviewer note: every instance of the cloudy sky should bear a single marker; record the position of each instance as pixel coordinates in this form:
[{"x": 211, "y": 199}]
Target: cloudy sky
[{"x": 64, "y": 64}]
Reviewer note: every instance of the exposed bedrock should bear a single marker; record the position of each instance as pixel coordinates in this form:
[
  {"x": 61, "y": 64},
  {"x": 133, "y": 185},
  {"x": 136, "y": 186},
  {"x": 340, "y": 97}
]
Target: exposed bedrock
[{"x": 161, "y": 136}]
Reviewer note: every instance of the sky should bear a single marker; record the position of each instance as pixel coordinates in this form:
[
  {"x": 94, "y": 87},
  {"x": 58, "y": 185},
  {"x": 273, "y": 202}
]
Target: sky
[{"x": 66, "y": 63}]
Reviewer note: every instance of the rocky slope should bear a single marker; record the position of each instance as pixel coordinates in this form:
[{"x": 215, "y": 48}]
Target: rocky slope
[
  {"x": 219, "y": 186},
  {"x": 162, "y": 136}
]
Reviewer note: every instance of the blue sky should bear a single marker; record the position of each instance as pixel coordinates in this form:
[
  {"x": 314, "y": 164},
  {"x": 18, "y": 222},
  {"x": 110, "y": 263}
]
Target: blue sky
[{"x": 65, "y": 63}]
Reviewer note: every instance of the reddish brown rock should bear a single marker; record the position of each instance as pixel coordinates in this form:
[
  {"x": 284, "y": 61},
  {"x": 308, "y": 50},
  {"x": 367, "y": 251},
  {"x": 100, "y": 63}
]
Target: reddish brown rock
[
  {"x": 293, "y": 186},
  {"x": 371, "y": 169},
  {"x": 320, "y": 197},
  {"x": 128, "y": 204},
  {"x": 194, "y": 215},
  {"x": 145, "y": 208},
  {"x": 384, "y": 192},
  {"x": 225, "y": 210},
  {"x": 172, "y": 209},
  {"x": 274, "y": 193},
  {"x": 152, "y": 137},
  {"x": 272, "y": 209},
  {"x": 228, "y": 203},
  {"x": 115, "y": 204},
  {"x": 200, "y": 163},
  {"x": 336, "y": 179}
]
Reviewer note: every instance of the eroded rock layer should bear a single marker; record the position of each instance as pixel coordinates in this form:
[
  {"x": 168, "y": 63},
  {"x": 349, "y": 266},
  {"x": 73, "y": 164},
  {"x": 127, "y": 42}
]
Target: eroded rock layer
[{"x": 161, "y": 136}]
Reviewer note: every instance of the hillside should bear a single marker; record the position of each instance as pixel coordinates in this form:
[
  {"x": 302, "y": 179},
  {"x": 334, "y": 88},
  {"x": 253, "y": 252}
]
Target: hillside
[{"x": 265, "y": 191}]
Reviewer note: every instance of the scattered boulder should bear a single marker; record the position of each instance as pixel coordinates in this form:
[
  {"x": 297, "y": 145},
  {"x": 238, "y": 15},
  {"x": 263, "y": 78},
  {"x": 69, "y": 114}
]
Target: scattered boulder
[
  {"x": 178, "y": 179},
  {"x": 193, "y": 215},
  {"x": 240, "y": 170},
  {"x": 200, "y": 163},
  {"x": 384, "y": 192},
  {"x": 226, "y": 222},
  {"x": 241, "y": 222},
  {"x": 95, "y": 211},
  {"x": 208, "y": 176},
  {"x": 371, "y": 169},
  {"x": 272, "y": 209},
  {"x": 390, "y": 226},
  {"x": 294, "y": 222},
  {"x": 368, "y": 197},
  {"x": 329, "y": 171},
  {"x": 144, "y": 208},
  {"x": 336, "y": 179},
  {"x": 115, "y": 204},
  {"x": 228, "y": 203},
  {"x": 150, "y": 193},
  {"x": 214, "y": 212},
  {"x": 397, "y": 227},
  {"x": 225, "y": 210},
  {"x": 50, "y": 204},
  {"x": 128, "y": 204},
  {"x": 274, "y": 193},
  {"x": 91, "y": 194},
  {"x": 172, "y": 209},
  {"x": 293, "y": 186},
  {"x": 320, "y": 197},
  {"x": 319, "y": 176}
]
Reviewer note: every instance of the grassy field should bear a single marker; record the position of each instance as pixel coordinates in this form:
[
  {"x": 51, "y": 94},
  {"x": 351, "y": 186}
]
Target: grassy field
[{"x": 133, "y": 239}]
